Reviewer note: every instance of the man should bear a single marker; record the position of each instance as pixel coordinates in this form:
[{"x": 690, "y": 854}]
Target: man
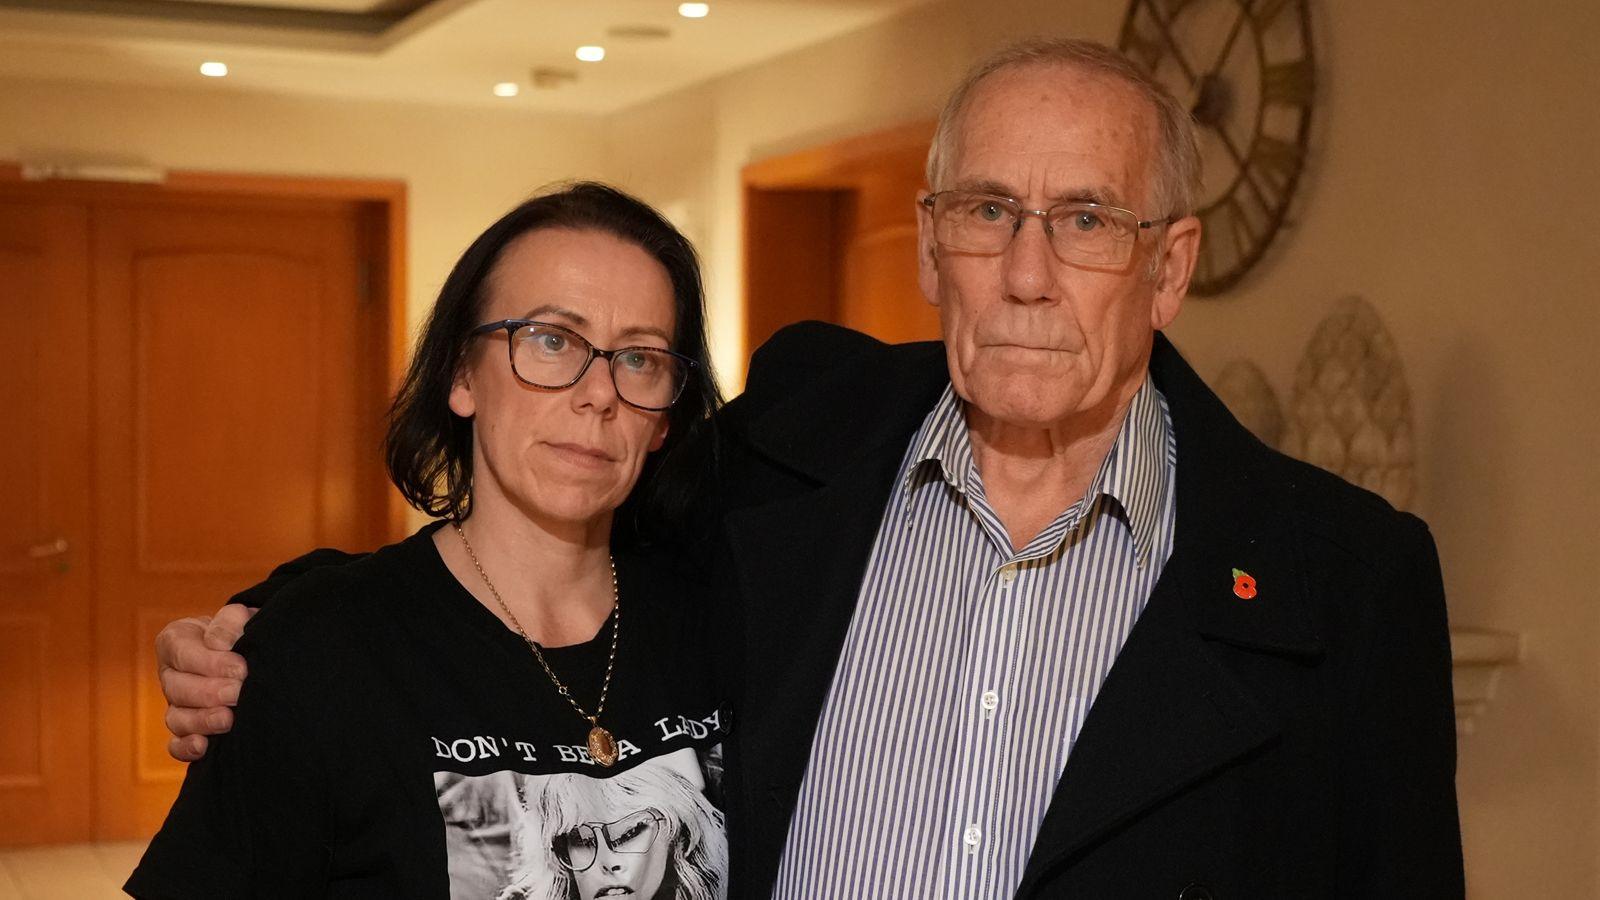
[{"x": 1027, "y": 613}]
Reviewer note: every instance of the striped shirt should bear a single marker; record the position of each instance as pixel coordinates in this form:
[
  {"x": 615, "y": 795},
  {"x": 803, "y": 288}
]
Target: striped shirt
[{"x": 969, "y": 666}]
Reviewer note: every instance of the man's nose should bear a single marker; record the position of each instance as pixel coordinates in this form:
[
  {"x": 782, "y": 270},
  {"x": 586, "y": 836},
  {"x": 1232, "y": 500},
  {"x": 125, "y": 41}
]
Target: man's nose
[{"x": 1028, "y": 262}]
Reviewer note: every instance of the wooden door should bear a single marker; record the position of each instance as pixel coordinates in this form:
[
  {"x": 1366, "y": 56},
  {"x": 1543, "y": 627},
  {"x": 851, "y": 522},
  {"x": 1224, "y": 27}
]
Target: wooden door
[
  {"x": 46, "y": 637},
  {"x": 238, "y": 385},
  {"x": 831, "y": 234},
  {"x": 878, "y": 290}
]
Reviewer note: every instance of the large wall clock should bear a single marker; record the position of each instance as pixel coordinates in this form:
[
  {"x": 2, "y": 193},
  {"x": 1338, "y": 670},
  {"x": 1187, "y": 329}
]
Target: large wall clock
[{"x": 1246, "y": 70}]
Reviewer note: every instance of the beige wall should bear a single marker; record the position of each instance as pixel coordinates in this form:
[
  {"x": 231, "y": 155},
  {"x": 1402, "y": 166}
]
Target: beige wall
[
  {"x": 462, "y": 168},
  {"x": 1451, "y": 187}
]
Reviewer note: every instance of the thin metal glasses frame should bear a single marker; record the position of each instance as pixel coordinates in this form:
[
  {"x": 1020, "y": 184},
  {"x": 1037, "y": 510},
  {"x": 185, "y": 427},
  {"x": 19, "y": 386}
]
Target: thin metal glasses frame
[{"x": 1045, "y": 215}]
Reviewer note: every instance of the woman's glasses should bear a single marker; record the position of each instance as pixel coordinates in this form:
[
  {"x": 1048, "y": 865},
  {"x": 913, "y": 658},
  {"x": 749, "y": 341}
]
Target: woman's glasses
[{"x": 554, "y": 358}]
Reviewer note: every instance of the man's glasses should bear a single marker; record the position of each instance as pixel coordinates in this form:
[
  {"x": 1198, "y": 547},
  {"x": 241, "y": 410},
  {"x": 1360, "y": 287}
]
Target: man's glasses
[
  {"x": 1090, "y": 234},
  {"x": 577, "y": 848},
  {"x": 552, "y": 357}
]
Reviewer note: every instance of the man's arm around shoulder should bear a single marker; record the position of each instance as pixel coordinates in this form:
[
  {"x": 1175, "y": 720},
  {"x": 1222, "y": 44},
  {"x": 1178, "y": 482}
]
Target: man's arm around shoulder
[{"x": 200, "y": 674}]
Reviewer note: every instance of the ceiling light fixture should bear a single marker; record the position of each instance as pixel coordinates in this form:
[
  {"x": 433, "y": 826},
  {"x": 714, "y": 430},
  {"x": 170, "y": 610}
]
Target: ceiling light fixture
[
  {"x": 591, "y": 53},
  {"x": 694, "y": 10},
  {"x": 506, "y": 89},
  {"x": 213, "y": 69}
]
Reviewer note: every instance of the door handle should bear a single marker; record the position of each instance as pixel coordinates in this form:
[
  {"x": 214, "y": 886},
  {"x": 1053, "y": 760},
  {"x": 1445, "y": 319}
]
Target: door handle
[{"x": 56, "y": 547}]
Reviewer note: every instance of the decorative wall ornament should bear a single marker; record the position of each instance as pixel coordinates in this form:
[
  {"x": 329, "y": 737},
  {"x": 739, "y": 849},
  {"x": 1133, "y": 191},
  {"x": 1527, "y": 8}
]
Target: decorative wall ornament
[
  {"x": 1244, "y": 388},
  {"x": 1350, "y": 411},
  {"x": 1351, "y": 414}
]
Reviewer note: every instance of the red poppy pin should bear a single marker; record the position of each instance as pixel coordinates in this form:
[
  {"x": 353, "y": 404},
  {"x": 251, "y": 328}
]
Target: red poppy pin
[{"x": 1244, "y": 585}]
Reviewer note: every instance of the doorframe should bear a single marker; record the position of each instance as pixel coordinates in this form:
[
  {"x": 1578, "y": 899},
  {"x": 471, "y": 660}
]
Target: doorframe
[
  {"x": 382, "y": 203},
  {"x": 789, "y": 208}
]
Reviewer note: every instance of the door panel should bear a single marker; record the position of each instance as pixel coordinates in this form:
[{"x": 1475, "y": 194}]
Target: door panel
[
  {"x": 235, "y": 428},
  {"x": 46, "y": 659},
  {"x": 879, "y": 293}
]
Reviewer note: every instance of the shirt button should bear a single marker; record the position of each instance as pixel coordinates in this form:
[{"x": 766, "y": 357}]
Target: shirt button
[
  {"x": 990, "y": 700},
  {"x": 1008, "y": 574},
  {"x": 972, "y": 836}
]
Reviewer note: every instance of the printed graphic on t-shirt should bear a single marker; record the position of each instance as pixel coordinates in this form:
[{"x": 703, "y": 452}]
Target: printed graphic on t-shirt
[{"x": 651, "y": 832}]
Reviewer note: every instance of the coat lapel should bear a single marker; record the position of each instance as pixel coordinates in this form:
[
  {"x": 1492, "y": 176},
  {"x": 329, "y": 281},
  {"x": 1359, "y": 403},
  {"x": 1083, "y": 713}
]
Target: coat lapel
[
  {"x": 799, "y": 562},
  {"x": 1171, "y": 712}
]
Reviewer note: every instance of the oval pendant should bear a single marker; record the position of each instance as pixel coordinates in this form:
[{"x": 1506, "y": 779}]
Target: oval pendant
[{"x": 602, "y": 746}]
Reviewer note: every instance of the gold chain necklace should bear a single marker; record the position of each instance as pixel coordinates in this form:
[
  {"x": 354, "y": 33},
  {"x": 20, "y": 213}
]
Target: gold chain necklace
[{"x": 602, "y": 746}]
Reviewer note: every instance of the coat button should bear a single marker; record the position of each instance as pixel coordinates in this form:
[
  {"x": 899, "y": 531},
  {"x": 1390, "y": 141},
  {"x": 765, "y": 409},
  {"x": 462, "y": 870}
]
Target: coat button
[{"x": 1196, "y": 892}]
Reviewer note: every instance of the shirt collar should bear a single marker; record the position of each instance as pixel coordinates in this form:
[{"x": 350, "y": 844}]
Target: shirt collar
[
  {"x": 1136, "y": 473},
  {"x": 943, "y": 441}
]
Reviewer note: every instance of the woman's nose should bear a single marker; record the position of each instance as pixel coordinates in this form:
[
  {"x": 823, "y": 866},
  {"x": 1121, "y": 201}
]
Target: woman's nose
[{"x": 597, "y": 386}]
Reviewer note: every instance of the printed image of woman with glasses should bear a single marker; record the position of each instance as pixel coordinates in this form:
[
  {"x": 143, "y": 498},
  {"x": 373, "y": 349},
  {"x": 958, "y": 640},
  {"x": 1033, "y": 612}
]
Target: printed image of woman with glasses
[
  {"x": 647, "y": 833},
  {"x": 515, "y": 701}
]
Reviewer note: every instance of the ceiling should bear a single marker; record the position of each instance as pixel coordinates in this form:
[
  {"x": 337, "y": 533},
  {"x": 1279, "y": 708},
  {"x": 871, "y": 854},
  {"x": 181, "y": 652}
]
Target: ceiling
[{"x": 449, "y": 52}]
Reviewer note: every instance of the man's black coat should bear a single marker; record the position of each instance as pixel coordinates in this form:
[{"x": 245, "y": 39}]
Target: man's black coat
[{"x": 1297, "y": 744}]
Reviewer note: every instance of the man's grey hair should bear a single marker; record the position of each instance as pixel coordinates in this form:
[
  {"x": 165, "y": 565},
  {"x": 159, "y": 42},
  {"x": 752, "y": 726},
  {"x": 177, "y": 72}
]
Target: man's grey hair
[{"x": 1177, "y": 160}]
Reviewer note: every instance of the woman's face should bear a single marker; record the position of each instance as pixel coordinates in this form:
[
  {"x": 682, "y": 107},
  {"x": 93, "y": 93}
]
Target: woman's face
[
  {"x": 632, "y": 861},
  {"x": 569, "y": 456}
]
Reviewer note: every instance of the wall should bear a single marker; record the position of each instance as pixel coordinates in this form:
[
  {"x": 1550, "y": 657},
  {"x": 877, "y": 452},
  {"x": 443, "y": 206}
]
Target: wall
[
  {"x": 1452, "y": 190},
  {"x": 1449, "y": 187},
  {"x": 463, "y": 168}
]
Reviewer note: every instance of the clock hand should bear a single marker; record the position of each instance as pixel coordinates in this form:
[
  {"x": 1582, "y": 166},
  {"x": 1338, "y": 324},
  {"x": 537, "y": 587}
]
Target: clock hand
[
  {"x": 1227, "y": 46},
  {"x": 1177, "y": 54},
  {"x": 1244, "y": 169}
]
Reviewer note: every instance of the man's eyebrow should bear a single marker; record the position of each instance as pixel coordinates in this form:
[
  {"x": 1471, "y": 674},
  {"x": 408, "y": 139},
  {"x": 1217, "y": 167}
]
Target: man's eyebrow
[
  {"x": 1094, "y": 194},
  {"x": 1100, "y": 194},
  {"x": 986, "y": 186}
]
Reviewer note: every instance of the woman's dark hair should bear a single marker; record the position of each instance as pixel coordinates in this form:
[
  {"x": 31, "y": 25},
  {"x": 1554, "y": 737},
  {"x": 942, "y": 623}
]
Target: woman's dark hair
[{"x": 429, "y": 447}]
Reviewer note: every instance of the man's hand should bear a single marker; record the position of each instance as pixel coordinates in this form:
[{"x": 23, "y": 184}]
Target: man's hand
[{"x": 201, "y": 677}]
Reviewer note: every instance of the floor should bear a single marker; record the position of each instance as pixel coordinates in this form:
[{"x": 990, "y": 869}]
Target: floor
[{"x": 68, "y": 872}]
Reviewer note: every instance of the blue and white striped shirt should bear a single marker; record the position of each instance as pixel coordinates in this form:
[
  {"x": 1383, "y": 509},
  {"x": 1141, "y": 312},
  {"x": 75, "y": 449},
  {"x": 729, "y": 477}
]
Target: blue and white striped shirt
[{"x": 969, "y": 666}]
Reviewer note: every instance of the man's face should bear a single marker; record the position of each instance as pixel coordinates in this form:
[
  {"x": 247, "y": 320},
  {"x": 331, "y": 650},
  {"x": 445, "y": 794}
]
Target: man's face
[{"x": 1032, "y": 341}]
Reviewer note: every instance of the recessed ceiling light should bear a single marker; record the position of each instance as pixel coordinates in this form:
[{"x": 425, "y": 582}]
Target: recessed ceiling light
[
  {"x": 213, "y": 69},
  {"x": 694, "y": 10},
  {"x": 506, "y": 89},
  {"x": 591, "y": 53}
]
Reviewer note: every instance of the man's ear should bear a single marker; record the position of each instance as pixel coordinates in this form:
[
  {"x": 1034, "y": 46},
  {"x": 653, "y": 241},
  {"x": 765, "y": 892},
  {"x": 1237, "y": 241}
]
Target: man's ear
[
  {"x": 927, "y": 253},
  {"x": 1174, "y": 269}
]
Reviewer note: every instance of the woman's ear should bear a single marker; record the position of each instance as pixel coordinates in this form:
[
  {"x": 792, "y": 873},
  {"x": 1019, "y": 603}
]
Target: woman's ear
[
  {"x": 461, "y": 399},
  {"x": 660, "y": 437}
]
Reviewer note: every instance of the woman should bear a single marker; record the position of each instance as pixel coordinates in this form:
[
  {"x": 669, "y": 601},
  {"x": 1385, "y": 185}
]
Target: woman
[{"x": 548, "y": 417}]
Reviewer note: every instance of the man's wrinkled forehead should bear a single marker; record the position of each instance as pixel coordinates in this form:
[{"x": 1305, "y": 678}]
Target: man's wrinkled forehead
[{"x": 1055, "y": 133}]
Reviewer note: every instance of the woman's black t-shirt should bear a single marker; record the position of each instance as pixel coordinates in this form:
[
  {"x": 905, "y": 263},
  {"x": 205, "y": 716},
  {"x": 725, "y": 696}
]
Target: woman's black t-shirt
[{"x": 395, "y": 739}]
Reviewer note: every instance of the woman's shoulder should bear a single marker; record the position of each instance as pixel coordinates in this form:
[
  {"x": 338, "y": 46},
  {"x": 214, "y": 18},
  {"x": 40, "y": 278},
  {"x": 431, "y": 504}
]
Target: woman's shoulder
[{"x": 333, "y": 602}]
